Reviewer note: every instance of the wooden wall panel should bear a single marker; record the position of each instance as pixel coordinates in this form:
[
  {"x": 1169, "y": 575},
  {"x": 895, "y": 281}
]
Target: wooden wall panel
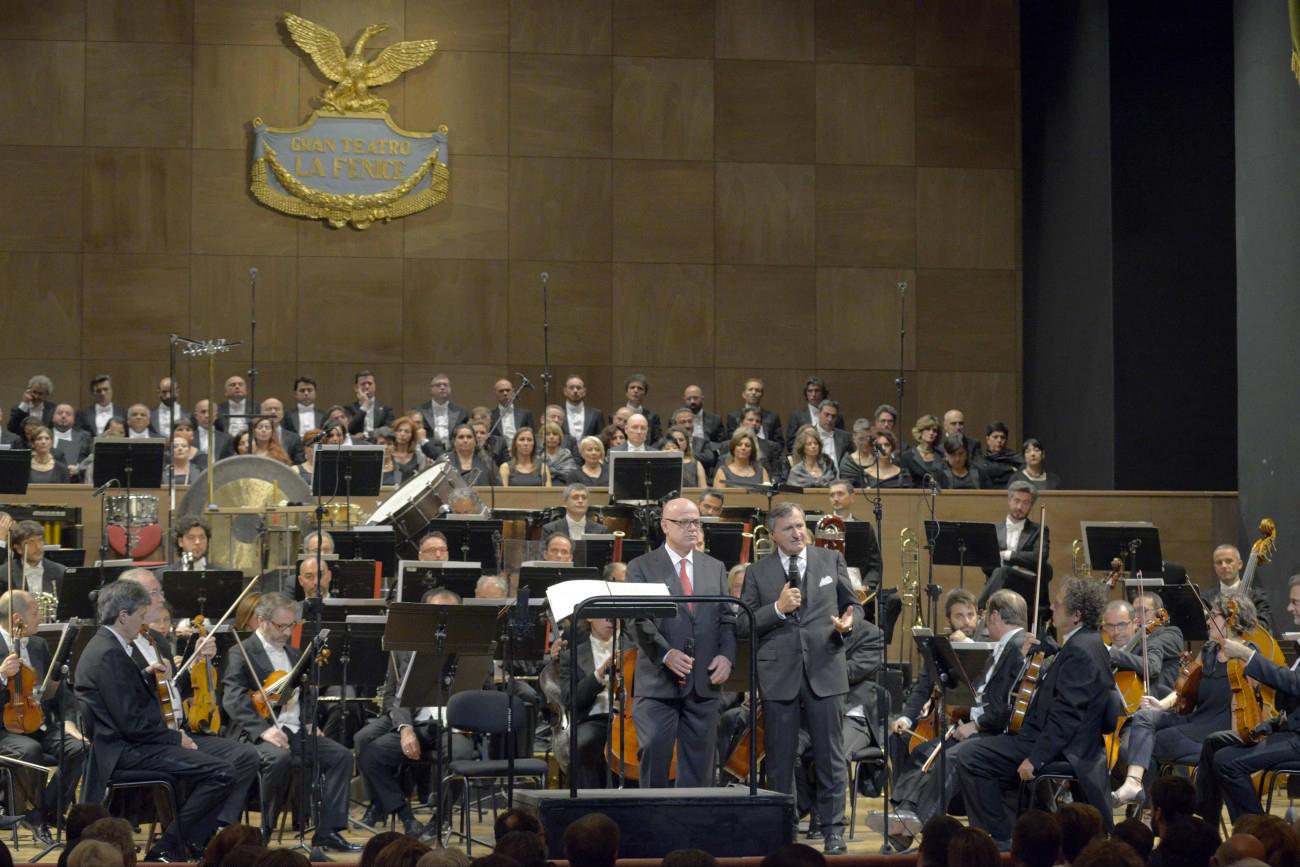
[
  {"x": 766, "y": 112},
  {"x": 871, "y": 31},
  {"x": 965, "y": 219},
  {"x": 45, "y": 102},
  {"x": 765, "y": 213},
  {"x": 967, "y": 316},
  {"x": 663, "y": 109},
  {"x": 858, "y": 318},
  {"x": 663, "y": 28},
  {"x": 454, "y": 312},
  {"x": 41, "y": 290},
  {"x": 746, "y": 298},
  {"x": 967, "y": 117},
  {"x": 559, "y": 209},
  {"x": 44, "y": 199},
  {"x": 560, "y": 106},
  {"x": 234, "y": 84},
  {"x": 578, "y": 308},
  {"x": 318, "y": 238},
  {"x": 348, "y": 18},
  {"x": 472, "y": 222},
  {"x": 221, "y": 305},
  {"x": 138, "y": 95},
  {"x": 340, "y": 288},
  {"x": 979, "y": 33},
  {"x": 866, "y": 215},
  {"x": 241, "y": 22},
  {"x": 140, "y": 21},
  {"x": 765, "y": 29},
  {"x": 663, "y": 211},
  {"x": 572, "y": 27},
  {"x": 226, "y": 217},
  {"x": 866, "y": 114},
  {"x": 462, "y": 25},
  {"x": 663, "y": 315},
  {"x": 43, "y": 19},
  {"x": 131, "y": 303},
  {"x": 471, "y": 384},
  {"x": 469, "y": 93},
  {"x": 983, "y": 397},
  {"x": 137, "y": 200}
]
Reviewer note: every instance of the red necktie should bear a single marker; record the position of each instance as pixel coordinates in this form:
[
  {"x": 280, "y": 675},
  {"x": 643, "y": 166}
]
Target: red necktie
[{"x": 686, "y": 582}]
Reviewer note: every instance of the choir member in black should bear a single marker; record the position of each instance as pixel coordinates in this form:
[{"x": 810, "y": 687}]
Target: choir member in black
[
  {"x": 1018, "y": 538},
  {"x": 401, "y": 736},
  {"x": 996, "y": 461},
  {"x": 1035, "y": 469},
  {"x": 1164, "y": 731},
  {"x": 920, "y": 796},
  {"x": 1064, "y": 722},
  {"x": 959, "y": 473},
  {"x": 122, "y": 714},
  {"x": 1227, "y": 568},
  {"x": 156, "y": 649},
  {"x": 1164, "y": 644},
  {"x": 597, "y": 660},
  {"x": 925, "y": 458},
  {"x": 1226, "y": 762},
  {"x": 473, "y": 463},
  {"x": 50, "y": 745},
  {"x": 283, "y": 743}
]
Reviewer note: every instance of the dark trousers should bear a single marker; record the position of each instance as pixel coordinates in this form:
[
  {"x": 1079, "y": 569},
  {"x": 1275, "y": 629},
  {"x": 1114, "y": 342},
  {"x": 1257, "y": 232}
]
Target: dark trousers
[
  {"x": 207, "y": 778},
  {"x": 688, "y": 724},
  {"x": 43, "y": 748},
  {"x": 381, "y": 761},
  {"x": 986, "y": 768},
  {"x": 334, "y": 763},
  {"x": 822, "y": 717},
  {"x": 1226, "y": 766},
  {"x": 1159, "y": 736},
  {"x": 244, "y": 762},
  {"x": 589, "y": 766},
  {"x": 928, "y": 795}
]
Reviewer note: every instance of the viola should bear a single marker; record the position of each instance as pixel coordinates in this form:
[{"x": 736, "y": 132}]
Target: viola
[
  {"x": 264, "y": 697},
  {"x": 23, "y": 713},
  {"x": 202, "y": 710},
  {"x": 160, "y": 681},
  {"x": 1132, "y": 685},
  {"x": 1188, "y": 683},
  {"x": 1025, "y": 691}
]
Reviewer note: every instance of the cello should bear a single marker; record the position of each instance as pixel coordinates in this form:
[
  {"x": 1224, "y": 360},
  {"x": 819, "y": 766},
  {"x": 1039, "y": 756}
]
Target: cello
[
  {"x": 622, "y": 747},
  {"x": 1033, "y": 670}
]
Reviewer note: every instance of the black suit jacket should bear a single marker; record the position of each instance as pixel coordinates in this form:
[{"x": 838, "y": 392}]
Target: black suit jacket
[
  {"x": 290, "y": 421},
  {"x": 771, "y": 425},
  {"x": 384, "y": 416},
  {"x": 156, "y": 416},
  {"x": 806, "y": 634},
  {"x": 1026, "y": 553},
  {"x": 17, "y": 416},
  {"x": 561, "y": 526},
  {"x": 75, "y": 450},
  {"x": 11, "y": 440},
  {"x": 589, "y": 687},
  {"x": 119, "y": 708},
  {"x": 711, "y": 627},
  {"x": 1287, "y": 683},
  {"x": 710, "y": 424},
  {"x": 862, "y": 656},
  {"x": 237, "y": 681},
  {"x": 224, "y": 445},
  {"x": 456, "y": 415},
  {"x": 523, "y": 418},
  {"x": 52, "y": 579},
  {"x": 85, "y": 418},
  {"x": 592, "y": 422},
  {"x": 801, "y": 417},
  {"x": 1164, "y": 653},
  {"x": 1005, "y": 677},
  {"x": 292, "y": 445}
]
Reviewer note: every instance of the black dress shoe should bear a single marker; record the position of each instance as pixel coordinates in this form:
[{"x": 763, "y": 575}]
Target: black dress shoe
[
  {"x": 834, "y": 845},
  {"x": 165, "y": 856},
  {"x": 814, "y": 830},
  {"x": 41, "y": 833},
  {"x": 334, "y": 842},
  {"x": 372, "y": 816},
  {"x": 413, "y": 827}
]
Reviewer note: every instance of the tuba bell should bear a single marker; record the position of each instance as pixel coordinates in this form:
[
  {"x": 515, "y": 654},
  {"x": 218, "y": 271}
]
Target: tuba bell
[{"x": 763, "y": 544}]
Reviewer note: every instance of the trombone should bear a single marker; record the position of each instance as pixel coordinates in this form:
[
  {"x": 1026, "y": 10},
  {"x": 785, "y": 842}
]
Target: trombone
[{"x": 910, "y": 555}]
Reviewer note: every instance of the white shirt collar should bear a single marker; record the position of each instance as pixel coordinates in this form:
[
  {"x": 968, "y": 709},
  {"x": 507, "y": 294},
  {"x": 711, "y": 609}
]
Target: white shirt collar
[
  {"x": 1012, "y": 522},
  {"x": 1070, "y": 634}
]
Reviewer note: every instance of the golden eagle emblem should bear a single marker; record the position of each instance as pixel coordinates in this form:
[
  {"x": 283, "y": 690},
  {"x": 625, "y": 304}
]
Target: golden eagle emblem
[{"x": 353, "y": 76}]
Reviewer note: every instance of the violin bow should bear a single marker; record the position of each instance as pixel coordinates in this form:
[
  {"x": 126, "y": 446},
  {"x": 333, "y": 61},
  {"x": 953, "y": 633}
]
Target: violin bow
[{"x": 212, "y": 630}]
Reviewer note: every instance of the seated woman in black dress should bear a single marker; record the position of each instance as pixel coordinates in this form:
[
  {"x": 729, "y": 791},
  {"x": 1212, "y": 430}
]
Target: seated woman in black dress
[
  {"x": 594, "y": 472},
  {"x": 392, "y": 473},
  {"x": 883, "y": 472},
  {"x": 809, "y": 465},
  {"x": 524, "y": 469},
  {"x": 558, "y": 459},
  {"x": 467, "y": 459},
  {"x": 678, "y": 440},
  {"x": 924, "y": 458},
  {"x": 996, "y": 460},
  {"x": 1035, "y": 469},
  {"x": 959, "y": 475},
  {"x": 407, "y": 454},
  {"x": 46, "y": 468},
  {"x": 741, "y": 465}
]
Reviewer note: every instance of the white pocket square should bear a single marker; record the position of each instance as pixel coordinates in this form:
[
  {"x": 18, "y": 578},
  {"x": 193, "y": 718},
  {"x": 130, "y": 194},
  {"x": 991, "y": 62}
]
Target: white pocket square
[{"x": 826, "y": 579}]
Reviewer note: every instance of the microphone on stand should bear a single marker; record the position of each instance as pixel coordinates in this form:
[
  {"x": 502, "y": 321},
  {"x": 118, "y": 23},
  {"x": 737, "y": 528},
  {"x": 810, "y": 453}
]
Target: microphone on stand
[
  {"x": 546, "y": 278},
  {"x": 932, "y": 484},
  {"x": 524, "y": 384},
  {"x": 252, "y": 274}
]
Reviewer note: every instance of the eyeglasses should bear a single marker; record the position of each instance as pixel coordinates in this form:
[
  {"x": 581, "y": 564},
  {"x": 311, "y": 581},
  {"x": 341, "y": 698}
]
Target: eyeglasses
[
  {"x": 1113, "y": 626},
  {"x": 283, "y": 626},
  {"x": 685, "y": 523}
]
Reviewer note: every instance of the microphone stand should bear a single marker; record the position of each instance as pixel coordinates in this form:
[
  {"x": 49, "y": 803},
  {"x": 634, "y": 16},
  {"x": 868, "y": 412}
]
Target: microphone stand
[
  {"x": 546, "y": 342},
  {"x": 171, "y": 475},
  {"x": 882, "y": 682},
  {"x": 900, "y": 382},
  {"x": 932, "y": 590},
  {"x": 252, "y": 349}
]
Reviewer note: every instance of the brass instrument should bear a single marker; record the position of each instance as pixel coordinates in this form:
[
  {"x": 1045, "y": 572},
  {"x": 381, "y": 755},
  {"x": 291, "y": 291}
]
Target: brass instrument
[
  {"x": 48, "y": 605},
  {"x": 1079, "y": 564},
  {"x": 763, "y": 544},
  {"x": 910, "y": 553}
]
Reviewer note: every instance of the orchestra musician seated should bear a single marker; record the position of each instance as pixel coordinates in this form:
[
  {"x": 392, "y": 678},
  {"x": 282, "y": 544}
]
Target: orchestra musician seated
[
  {"x": 433, "y": 548},
  {"x": 47, "y": 743},
  {"x": 491, "y": 587},
  {"x": 574, "y": 523},
  {"x": 1065, "y": 720},
  {"x": 318, "y": 538},
  {"x": 39, "y": 574},
  {"x": 1164, "y": 642},
  {"x": 841, "y": 496},
  {"x": 1227, "y": 758},
  {"x": 922, "y": 790},
  {"x": 1172, "y": 728},
  {"x": 597, "y": 659},
  {"x": 1018, "y": 538},
  {"x": 282, "y": 738},
  {"x": 559, "y": 549},
  {"x": 193, "y": 535},
  {"x": 1227, "y": 569}
]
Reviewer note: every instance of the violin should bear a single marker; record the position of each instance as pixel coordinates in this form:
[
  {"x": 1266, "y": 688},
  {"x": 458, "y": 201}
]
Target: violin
[
  {"x": 622, "y": 749},
  {"x": 1132, "y": 685},
  {"x": 202, "y": 711},
  {"x": 23, "y": 714},
  {"x": 160, "y": 681},
  {"x": 1188, "y": 683},
  {"x": 266, "y": 696}
]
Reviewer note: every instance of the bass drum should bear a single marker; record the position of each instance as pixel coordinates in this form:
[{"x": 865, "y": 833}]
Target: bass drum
[{"x": 418, "y": 503}]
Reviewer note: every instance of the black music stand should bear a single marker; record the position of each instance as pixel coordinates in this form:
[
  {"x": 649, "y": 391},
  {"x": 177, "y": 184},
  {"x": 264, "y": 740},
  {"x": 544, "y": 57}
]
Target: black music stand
[
  {"x": 724, "y": 540},
  {"x": 75, "y": 589},
  {"x": 347, "y": 470},
  {"x": 199, "y": 592},
  {"x": 1137, "y": 543},
  {"x": 962, "y": 544},
  {"x": 133, "y": 463},
  {"x": 356, "y": 664},
  {"x": 644, "y": 478},
  {"x": 862, "y": 548},
  {"x": 72, "y": 558},
  {"x": 1184, "y": 604},
  {"x": 365, "y": 542},
  {"x": 475, "y": 539},
  {"x": 537, "y": 577},
  {"x": 15, "y": 470},
  {"x": 417, "y": 577}
]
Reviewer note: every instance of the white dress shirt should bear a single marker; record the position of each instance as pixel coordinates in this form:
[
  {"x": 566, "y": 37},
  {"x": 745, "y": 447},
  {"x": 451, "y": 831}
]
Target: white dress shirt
[
  {"x": 306, "y": 417},
  {"x": 102, "y": 415},
  {"x": 576, "y": 528},
  {"x": 61, "y": 436},
  {"x": 601, "y": 651},
  {"x": 1014, "y": 529},
  {"x": 289, "y": 717},
  {"x": 1003, "y": 642},
  {"x": 441, "y": 414},
  {"x": 507, "y": 414},
  {"x": 828, "y": 444},
  {"x": 165, "y": 419},
  {"x": 576, "y": 414},
  {"x": 235, "y": 426}
]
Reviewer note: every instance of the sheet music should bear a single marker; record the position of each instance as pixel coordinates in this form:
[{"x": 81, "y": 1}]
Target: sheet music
[{"x": 568, "y": 595}]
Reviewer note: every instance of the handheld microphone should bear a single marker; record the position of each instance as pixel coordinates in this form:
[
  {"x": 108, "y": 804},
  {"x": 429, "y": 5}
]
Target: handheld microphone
[{"x": 689, "y": 650}]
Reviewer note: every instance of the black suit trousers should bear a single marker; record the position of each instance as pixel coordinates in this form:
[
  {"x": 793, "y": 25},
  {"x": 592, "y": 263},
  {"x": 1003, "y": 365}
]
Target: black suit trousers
[
  {"x": 244, "y": 762},
  {"x": 334, "y": 764},
  {"x": 381, "y": 760},
  {"x": 823, "y": 720},
  {"x": 986, "y": 768},
  {"x": 207, "y": 778},
  {"x": 1226, "y": 766},
  {"x": 42, "y": 748}
]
